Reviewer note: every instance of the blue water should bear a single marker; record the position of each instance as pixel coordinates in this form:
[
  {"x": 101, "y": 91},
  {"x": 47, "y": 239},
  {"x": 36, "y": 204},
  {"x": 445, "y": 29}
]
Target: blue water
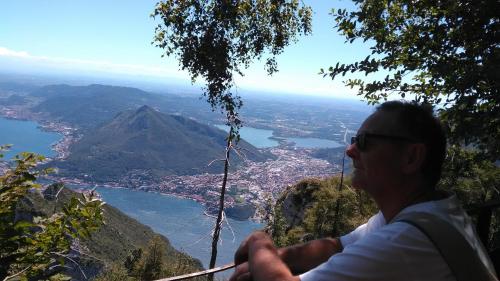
[
  {"x": 26, "y": 136},
  {"x": 260, "y": 138},
  {"x": 182, "y": 221}
]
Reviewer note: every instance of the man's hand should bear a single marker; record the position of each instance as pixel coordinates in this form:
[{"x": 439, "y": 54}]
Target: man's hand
[
  {"x": 241, "y": 254},
  {"x": 304, "y": 257},
  {"x": 241, "y": 273},
  {"x": 242, "y": 270},
  {"x": 257, "y": 259}
]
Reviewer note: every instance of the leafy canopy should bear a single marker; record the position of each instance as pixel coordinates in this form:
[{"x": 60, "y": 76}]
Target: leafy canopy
[
  {"x": 444, "y": 53},
  {"x": 439, "y": 51},
  {"x": 216, "y": 39}
]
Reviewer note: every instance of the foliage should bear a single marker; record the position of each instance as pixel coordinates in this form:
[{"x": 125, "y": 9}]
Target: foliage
[
  {"x": 439, "y": 51},
  {"x": 474, "y": 180},
  {"x": 38, "y": 249},
  {"x": 132, "y": 260},
  {"x": 150, "y": 266},
  {"x": 307, "y": 211},
  {"x": 150, "y": 263},
  {"x": 470, "y": 176},
  {"x": 115, "y": 272},
  {"x": 215, "y": 39}
]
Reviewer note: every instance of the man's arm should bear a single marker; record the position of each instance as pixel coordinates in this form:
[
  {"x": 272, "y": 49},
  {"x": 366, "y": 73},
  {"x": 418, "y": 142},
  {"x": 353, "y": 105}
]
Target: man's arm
[
  {"x": 298, "y": 258},
  {"x": 304, "y": 257},
  {"x": 264, "y": 262}
]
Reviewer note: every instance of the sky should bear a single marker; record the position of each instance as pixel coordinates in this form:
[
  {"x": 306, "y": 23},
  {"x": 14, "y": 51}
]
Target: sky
[{"x": 114, "y": 38}]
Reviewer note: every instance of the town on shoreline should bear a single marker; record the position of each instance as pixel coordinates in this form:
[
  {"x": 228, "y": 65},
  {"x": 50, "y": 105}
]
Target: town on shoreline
[{"x": 252, "y": 185}]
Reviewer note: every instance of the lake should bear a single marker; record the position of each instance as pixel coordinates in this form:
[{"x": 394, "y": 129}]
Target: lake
[
  {"x": 26, "y": 136},
  {"x": 260, "y": 138},
  {"x": 181, "y": 220}
]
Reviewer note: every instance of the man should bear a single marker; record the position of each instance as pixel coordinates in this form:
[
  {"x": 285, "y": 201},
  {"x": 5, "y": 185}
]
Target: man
[{"x": 397, "y": 156}]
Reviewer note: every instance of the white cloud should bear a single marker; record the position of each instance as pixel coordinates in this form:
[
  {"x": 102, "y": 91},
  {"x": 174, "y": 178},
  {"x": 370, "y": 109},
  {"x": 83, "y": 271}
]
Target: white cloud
[
  {"x": 94, "y": 65},
  {"x": 10, "y": 53}
]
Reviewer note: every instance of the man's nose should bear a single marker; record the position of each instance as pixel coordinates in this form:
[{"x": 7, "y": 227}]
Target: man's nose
[{"x": 352, "y": 150}]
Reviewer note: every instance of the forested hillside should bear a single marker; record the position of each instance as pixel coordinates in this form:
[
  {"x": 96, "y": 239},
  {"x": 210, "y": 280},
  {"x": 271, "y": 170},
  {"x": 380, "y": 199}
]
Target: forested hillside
[
  {"x": 115, "y": 242},
  {"x": 147, "y": 144}
]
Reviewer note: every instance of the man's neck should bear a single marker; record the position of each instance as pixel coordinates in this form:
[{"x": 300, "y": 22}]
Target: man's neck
[{"x": 392, "y": 205}]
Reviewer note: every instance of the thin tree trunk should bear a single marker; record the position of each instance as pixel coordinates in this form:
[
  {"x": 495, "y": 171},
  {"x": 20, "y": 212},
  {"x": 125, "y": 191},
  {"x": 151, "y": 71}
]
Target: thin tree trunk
[
  {"x": 337, "y": 206},
  {"x": 218, "y": 223}
]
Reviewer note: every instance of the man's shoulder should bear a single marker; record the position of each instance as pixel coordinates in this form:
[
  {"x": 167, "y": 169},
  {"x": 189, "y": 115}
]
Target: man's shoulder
[
  {"x": 398, "y": 235},
  {"x": 389, "y": 253},
  {"x": 439, "y": 207},
  {"x": 374, "y": 223},
  {"x": 401, "y": 237}
]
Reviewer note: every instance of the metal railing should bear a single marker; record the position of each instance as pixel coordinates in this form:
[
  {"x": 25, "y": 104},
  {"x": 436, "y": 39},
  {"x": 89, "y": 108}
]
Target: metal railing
[{"x": 199, "y": 273}]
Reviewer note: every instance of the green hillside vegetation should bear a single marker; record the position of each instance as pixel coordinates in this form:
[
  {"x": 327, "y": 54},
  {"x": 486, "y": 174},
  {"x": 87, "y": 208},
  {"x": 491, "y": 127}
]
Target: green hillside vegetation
[
  {"x": 315, "y": 208},
  {"x": 109, "y": 247},
  {"x": 149, "y": 263},
  {"x": 145, "y": 139}
]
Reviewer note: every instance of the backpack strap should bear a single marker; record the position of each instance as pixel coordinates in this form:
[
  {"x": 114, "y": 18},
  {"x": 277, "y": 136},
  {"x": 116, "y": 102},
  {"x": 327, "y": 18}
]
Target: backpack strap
[{"x": 462, "y": 259}]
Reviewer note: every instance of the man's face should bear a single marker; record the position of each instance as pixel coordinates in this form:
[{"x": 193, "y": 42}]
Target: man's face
[{"x": 377, "y": 165}]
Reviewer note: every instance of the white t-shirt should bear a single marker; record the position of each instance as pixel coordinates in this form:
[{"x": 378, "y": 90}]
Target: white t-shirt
[{"x": 397, "y": 251}]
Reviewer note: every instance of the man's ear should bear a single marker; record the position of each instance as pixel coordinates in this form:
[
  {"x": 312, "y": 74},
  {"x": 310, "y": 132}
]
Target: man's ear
[{"x": 415, "y": 157}]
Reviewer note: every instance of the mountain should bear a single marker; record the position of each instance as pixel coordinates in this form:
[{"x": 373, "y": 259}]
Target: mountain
[
  {"x": 116, "y": 239},
  {"x": 88, "y": 107},
  {"x": 146, "y": 141}
]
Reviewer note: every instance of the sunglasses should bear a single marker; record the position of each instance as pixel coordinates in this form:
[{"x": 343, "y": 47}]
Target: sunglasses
[{"x": 360, "y": 140}]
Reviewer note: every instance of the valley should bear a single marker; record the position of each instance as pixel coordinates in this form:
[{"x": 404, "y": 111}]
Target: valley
[
  {"x": 253, "y": 179},
  {"x": 253, "y": 182}
]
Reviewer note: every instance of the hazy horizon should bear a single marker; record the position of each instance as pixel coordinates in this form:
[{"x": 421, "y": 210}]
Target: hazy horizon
[{"x": 114, "y": 39}]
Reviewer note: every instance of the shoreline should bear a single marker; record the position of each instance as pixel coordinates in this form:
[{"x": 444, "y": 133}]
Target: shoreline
[
  {"x": 259, "y": 180},
  {"x": 82, "y": 186},
  {"x": 69, "y": 134}
]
